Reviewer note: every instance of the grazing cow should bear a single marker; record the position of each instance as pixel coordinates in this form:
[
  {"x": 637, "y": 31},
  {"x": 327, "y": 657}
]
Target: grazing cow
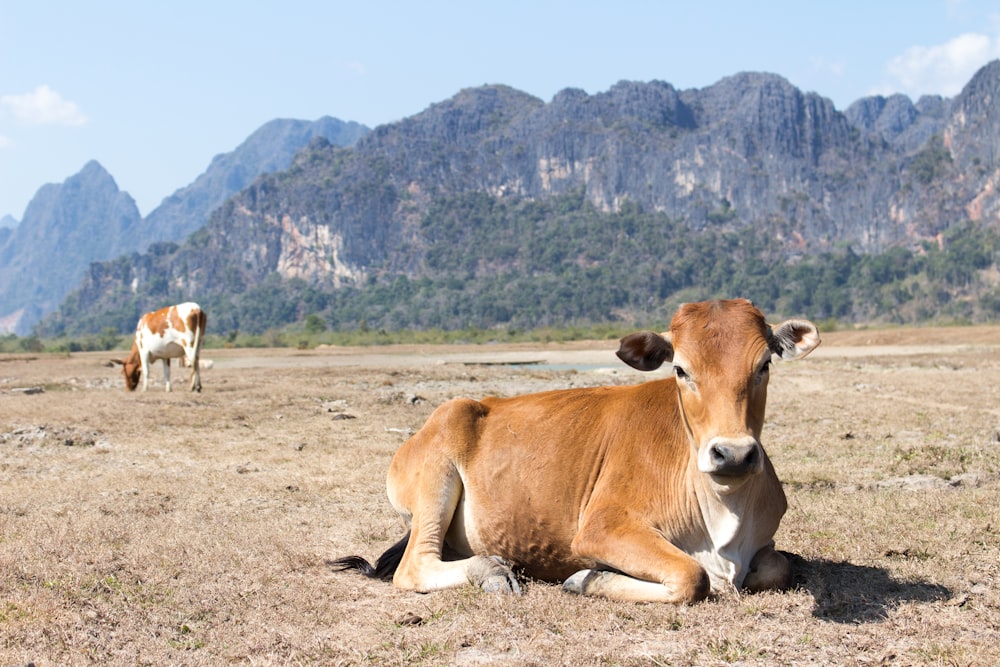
[
  {"x": 175, "y": 331},
  {"x": 659, "y": 491}
]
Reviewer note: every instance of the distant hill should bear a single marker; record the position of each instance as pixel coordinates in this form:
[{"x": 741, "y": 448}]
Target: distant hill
[
  {"x": 65, "y": 226},
  {"x": 85, "y": 219},
  {"x": 7, "y": 224},
  {"x": 270, "y": 148},
  {"x": 496, "y": 209}
]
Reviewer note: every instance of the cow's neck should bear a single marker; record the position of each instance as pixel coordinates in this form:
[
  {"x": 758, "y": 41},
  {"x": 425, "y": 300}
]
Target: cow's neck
[
  {"x": 730, "y": 531},
  {"x": 133, "y": 355}
]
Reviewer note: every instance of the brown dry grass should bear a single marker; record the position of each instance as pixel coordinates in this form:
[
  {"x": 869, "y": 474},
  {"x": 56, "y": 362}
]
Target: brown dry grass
[{"x": 194, "y": 529}]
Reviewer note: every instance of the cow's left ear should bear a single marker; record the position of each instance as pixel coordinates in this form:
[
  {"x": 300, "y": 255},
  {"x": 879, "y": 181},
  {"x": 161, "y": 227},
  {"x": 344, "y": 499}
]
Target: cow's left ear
[
  {"x": 793, "y": 339},
  {"x": 646, "y": 350}
]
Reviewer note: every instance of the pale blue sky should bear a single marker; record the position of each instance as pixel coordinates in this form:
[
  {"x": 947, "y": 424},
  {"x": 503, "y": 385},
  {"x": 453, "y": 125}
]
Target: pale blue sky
[{"x": 153, "y": 90}]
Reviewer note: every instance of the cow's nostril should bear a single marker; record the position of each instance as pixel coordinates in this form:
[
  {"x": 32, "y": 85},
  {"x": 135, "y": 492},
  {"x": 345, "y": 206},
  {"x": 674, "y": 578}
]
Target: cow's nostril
[{"x": 720, "y": 455}]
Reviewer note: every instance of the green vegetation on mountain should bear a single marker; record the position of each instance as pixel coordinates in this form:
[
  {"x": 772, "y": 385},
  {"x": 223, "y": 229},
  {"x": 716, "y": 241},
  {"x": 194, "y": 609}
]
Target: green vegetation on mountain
[
  {"x": 529, "y": 264},
  {"x": 537, "y": 266}
]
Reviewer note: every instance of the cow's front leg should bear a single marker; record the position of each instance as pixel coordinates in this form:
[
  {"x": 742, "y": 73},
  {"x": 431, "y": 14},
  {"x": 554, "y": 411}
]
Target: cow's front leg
[
  {"x": 166, "y": 372},
  {"x": 641, "y": 565},
  {"x": 768, "y": 570},
  {"x": 144, "y": 363}
]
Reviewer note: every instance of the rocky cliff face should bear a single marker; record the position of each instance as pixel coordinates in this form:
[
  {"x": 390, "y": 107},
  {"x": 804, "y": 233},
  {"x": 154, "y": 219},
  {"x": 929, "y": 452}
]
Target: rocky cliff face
[
  {"x": 972, "y": 138},
  {"x": 898, "y": 121},
  {"x": 270, "y": 148},
  {"x": 751, "y": 151}
]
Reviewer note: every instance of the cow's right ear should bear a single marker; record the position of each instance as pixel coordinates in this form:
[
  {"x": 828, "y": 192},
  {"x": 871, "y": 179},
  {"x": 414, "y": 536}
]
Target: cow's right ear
[
  {"x": 646, "y": 350},
  {"x": 793, "y": 339}
]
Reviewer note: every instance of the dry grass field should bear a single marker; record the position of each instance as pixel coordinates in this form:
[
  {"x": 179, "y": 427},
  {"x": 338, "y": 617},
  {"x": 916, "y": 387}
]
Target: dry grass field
[{"x": 196, "y": 529}]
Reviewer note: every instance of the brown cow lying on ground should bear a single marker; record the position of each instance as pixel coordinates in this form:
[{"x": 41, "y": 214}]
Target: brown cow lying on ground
[
  {"x": 168, "y": 333},
  {"x": 654, "y": 492}
]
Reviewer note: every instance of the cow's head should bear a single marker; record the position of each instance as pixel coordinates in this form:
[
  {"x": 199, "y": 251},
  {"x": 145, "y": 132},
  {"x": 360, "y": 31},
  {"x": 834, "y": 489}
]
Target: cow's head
[
  {"x": 721, "y": 353},
  {"x": 131, "y": 368}
]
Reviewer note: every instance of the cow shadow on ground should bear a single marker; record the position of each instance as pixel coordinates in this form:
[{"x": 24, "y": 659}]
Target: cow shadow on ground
[{"x": 848, "y": 593}]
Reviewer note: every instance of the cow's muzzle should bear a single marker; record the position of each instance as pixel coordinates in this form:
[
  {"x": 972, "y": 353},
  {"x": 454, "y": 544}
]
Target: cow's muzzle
[{"x": 730, "y": 457}]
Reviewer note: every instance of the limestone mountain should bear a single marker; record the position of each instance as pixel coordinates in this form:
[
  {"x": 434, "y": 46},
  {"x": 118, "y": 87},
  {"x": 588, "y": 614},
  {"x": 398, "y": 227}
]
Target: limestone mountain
[
  {"x": 7, "y": 225},
  {"x": 898, "y": 120},
  {"x": 86, "y": 219},
  {"x": 270, "y": 148},
  {"x": 443, "y": 218},
  {"x": 65, "y": 227}
]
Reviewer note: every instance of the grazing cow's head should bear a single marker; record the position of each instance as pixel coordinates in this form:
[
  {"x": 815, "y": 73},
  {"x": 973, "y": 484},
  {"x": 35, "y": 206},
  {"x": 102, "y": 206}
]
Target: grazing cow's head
[
  {"x": 131, "y": 368},
  {"x": 721, "y": 354}
]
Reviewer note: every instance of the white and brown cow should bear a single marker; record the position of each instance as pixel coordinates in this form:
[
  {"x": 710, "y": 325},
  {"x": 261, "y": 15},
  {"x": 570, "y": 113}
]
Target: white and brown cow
[
  {"x": 168, "y": 333},
  {"x": 659, "y": 491}
]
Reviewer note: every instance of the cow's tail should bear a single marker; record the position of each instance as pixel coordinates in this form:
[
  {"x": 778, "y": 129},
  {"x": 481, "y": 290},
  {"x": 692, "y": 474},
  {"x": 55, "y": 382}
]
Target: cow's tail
[
  {"x": 383, "y": 569},
  {"x": 200, "y": 333}
]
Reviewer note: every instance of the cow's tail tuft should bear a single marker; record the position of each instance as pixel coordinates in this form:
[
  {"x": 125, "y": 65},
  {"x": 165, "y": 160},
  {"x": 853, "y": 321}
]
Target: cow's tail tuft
[{"x": 383, "y": 569}]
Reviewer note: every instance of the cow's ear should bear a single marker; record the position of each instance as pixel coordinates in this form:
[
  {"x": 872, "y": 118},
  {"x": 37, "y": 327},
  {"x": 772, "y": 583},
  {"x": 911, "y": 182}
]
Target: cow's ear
[
  {"x": 645, "y": 351},
  {"x": 794, "y": 339},
  {"x": 119, "y": 362}
]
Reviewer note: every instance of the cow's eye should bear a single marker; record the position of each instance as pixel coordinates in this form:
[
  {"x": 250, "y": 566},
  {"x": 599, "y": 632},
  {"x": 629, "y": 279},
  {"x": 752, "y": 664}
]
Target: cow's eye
[
  {"x": 681, "y": 374},
  {"x": 763, "y": 371}
]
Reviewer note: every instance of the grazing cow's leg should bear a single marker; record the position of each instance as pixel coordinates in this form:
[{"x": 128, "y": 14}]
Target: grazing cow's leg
[
  {"x": 768, "y": 570},
  {"x": 144, "y": 362},
  {"x": 195, "y": 375},
  {"x": 647, "y": 567},
  {"x": 425, "y": 488},
  {"x": 166, "y": 372}
]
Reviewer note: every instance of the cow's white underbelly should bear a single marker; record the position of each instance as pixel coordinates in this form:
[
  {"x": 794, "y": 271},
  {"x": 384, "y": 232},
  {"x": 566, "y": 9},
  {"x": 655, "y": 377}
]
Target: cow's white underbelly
[{"x": 165, "y": 350}]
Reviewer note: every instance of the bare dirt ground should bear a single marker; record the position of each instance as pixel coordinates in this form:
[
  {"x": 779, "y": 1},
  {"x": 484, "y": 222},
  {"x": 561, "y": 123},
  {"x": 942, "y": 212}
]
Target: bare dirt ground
[{"x": 185, "y": 529}]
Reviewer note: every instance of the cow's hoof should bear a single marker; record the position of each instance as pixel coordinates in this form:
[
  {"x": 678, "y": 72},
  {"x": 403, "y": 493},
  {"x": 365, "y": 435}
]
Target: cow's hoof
[
  {"x": 500, "y": 578},
  {"x": 577, "y": 583},
  {"x": 496, "y": 583}
]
